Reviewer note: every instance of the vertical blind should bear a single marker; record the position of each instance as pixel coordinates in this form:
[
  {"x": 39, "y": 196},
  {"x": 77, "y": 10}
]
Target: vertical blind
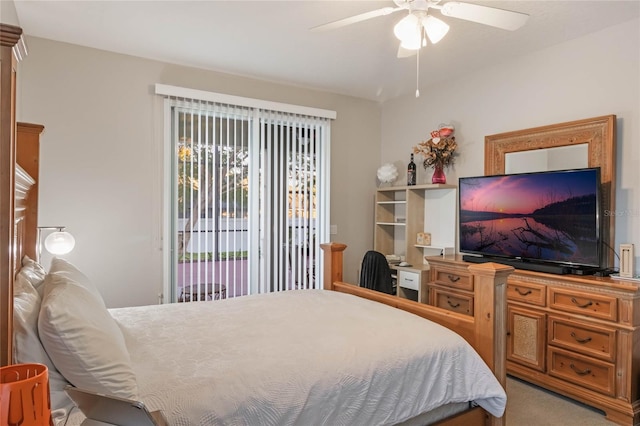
[
  {"x": 210, "y": 199},
  {"x": 289, "y": 199},
  {"x": 249, "y": 199}
]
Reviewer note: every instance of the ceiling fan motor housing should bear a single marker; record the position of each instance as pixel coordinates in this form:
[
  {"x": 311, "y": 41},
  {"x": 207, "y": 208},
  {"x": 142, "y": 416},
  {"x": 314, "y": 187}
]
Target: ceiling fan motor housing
[{"x": 413, "y": 5}]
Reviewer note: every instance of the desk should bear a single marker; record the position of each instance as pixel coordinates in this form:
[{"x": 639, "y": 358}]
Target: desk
[
  {"x": 196, "y": 292},
  {"x": 412, "y": 282}
]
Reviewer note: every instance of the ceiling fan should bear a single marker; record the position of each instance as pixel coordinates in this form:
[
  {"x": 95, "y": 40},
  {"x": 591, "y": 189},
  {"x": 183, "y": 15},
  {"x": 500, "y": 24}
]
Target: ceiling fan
[{"x": 419, "y": 24}]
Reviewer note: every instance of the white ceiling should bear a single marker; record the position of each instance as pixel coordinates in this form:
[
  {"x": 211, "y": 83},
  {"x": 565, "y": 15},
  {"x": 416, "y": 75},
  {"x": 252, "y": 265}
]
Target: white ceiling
[{"x": 271, "y": 40}]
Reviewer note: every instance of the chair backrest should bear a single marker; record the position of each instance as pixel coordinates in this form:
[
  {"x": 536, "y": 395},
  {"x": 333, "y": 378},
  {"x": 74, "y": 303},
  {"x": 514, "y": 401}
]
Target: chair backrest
[{"x": 375, "y": 272}]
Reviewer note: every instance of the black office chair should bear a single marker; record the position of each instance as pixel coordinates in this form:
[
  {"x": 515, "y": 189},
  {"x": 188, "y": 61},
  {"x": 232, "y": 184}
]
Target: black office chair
[{"x": 375, "y": 272}]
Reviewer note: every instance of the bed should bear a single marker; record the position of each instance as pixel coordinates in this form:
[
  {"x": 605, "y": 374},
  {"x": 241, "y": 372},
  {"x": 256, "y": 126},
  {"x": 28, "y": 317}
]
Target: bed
[
  {"x": 372, "y": 358},
  {"x": 251, "y": 360}
]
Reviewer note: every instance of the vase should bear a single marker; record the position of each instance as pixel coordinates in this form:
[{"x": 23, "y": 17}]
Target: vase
[{"x": 438, "y": 175}]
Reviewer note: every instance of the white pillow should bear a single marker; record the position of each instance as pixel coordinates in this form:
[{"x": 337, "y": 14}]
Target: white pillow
[
  {"x": 33, "y": 272},
  {"x": 83, "y": 340},
  {"x": 60, "y": 268},
  {"x": 26, "y": 342}
]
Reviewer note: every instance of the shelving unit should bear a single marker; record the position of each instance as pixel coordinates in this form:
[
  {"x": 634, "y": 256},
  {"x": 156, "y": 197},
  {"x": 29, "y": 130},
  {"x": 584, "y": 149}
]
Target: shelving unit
[
  {"x": 390, "y": 219},
  {"x": 402, "y": 212}
]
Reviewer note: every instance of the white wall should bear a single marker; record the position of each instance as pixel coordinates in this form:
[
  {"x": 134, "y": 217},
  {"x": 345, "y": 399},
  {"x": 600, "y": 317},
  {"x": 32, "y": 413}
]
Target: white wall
[
  {"x": 101, "y": 156},
  {"x": 101, "y": 152},
  {"x": 595, "y": 75},
  {"x": 8, "y": 13}
]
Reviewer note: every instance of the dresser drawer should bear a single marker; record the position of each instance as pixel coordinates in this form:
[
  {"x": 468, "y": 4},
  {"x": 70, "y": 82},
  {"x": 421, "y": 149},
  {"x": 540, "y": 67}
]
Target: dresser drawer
[
  {"x": 531, "y": 293},
  {"x": 452, "y": 278},
  {"x": 588, "y": 339},
  {"x": 409, "y": 280},
  {"x": 592, "y": 305},
  {"x": 584, "y": 371},
  {"x": 451, "y": 301}
]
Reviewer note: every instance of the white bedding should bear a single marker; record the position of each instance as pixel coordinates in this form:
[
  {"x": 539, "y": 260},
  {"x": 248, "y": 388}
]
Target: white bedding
[{"x": 306, "y": 357}]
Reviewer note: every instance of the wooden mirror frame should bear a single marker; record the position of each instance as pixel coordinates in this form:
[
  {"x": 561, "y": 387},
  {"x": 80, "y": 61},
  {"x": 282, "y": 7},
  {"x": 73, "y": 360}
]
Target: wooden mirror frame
[{"x": 598, "y": 133}]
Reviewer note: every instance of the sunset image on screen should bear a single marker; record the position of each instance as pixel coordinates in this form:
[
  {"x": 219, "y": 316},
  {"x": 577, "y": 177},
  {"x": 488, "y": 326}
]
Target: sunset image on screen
[{"x": 550, "y": 216}]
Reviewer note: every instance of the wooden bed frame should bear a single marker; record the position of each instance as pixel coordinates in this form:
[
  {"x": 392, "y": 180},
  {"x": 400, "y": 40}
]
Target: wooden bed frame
[
  {"x": 14, "y": 185},
  {"x": 486, "y": 330}
]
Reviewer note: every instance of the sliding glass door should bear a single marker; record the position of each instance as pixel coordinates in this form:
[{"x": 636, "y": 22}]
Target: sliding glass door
[
  {"x": 249, "y": 200},
  {"x": 289, "y": 224}
]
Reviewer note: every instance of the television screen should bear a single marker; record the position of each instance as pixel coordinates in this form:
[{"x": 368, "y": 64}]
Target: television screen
[{"x": 548, "y": 217}]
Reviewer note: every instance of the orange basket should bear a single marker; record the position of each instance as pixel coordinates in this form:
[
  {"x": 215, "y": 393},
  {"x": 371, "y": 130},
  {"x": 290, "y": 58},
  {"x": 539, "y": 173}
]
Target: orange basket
[{"x": 24, "y": 395}]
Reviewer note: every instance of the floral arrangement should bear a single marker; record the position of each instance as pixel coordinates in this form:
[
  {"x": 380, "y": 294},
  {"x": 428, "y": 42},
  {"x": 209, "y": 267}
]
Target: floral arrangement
[{"x": 440, "y": 150}]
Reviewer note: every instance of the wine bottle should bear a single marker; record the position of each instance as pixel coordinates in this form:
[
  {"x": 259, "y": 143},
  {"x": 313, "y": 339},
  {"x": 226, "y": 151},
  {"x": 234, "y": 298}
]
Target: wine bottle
[{"x": 411, "y": 172}]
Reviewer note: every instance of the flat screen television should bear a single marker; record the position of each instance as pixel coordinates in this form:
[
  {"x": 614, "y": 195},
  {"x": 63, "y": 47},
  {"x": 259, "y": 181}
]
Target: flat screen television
[{"x": 544, "y": 221}]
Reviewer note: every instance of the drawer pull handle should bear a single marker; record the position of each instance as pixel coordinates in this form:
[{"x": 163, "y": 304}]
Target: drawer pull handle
[
  {"x": 453, "y": 305},
  {"x": 586, "y": 305},
  {"x": 523, "y": 293},
  {"x": 585, "y": 340},
  {"x": 453, "y": 278},
  {"x": 580, "y": 372}
]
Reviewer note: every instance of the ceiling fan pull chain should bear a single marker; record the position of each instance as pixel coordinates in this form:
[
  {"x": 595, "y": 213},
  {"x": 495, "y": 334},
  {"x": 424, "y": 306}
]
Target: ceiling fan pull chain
[{"x": 418, "y": 74}]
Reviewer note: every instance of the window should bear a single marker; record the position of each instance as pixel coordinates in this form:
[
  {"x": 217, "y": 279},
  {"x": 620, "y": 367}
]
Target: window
[{"x": 248, "y": 192}]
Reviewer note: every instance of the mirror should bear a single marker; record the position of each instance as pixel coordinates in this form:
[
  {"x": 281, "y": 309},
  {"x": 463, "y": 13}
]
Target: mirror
[
  {"x": 574, "y": 144},
  {"x": 540, "y": 160}
]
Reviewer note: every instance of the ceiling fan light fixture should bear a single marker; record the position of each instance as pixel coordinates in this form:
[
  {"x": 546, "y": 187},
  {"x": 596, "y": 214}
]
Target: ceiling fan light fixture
[
  {"x": 435, "y": 28},
  {"x": 406, "y": 27},
  {"x": 411, "y": 44},
  {"x": 409, "y": 31}
]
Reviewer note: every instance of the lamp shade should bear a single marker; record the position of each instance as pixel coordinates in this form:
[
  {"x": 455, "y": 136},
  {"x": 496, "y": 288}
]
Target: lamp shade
[
  {"x": 411, "y": 43},
  {"x": 408, "y": 31},
  {"x": 436, "y": 29},
  {"x": 59, "y": 242}
]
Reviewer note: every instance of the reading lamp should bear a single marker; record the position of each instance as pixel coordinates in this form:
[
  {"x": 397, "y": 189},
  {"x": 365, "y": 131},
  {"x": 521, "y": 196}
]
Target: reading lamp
[{"x": 58, "y": 242}]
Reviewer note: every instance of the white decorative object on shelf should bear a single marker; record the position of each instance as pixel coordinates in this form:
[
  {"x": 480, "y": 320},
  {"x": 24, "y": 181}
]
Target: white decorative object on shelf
[{"x": 387, "y": 173}]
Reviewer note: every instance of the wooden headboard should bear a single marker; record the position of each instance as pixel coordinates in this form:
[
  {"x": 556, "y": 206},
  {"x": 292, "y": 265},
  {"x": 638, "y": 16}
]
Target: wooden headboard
[
  {"x": 15, "y": 187},
  {"x": 25, "y": 218}
]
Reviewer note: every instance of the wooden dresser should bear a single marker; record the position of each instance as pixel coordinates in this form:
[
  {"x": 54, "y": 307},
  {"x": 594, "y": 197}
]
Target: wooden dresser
[
  {"x": 450, "y": 285},
  {"x": 578, "y": 336}
]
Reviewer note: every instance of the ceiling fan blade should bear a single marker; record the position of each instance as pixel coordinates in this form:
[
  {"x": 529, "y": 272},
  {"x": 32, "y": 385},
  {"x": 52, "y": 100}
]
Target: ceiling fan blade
[
  {"x": 356, "y": 18},
  {"x": 500, "y": 18}
]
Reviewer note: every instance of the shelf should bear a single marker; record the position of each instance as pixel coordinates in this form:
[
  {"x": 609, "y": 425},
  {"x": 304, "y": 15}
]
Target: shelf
[
  {"x": 444, "y": 251},
  {"x": 402, "y": 212},
  {"x": 421, "y": 186}
]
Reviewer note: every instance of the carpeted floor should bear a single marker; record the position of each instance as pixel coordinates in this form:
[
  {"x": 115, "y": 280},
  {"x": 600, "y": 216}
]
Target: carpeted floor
[{"x": 529, "y": 405}]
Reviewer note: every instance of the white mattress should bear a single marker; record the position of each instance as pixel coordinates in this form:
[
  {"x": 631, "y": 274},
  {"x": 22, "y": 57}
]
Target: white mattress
[{"x": 305, "y": 357}]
